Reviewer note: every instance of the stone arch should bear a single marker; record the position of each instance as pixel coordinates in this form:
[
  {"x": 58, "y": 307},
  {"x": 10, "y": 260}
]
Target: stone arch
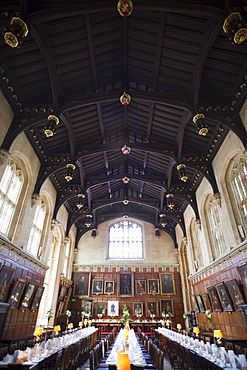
[{"x": 52, "y": 276}]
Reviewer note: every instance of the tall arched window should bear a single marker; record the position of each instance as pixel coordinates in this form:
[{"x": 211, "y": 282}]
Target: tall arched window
[
  {"x": 125, "y": 240},
  {"x": 10, "y": 188},
  {"x": 36, "y": 232},
  {"x": 216, "y": 234},
  {"x": 66, "y": 258},
  {"x": 196, "y": 248},
  {"x": 239, "y": 186}
]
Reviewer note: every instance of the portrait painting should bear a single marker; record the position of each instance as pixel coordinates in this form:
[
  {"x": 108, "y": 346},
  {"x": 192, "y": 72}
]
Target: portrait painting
[
  {"x": 224, "y": 297},
  {"x": 167, "y": 283},
  {"x": 200, "y": 303},
  {"x": 126, "y": 284},
  {"x": 153, "y": 286},
  {"x": 5, "y": 279},
  {"x": 195, "y": 304},
  {"x": 60, "y": 308},
  {"x": 235, "y": 294},
  {"x": 166, "y": 305},
  {"x": 97, "y": 286},
  {"x": 100, "y": 308},
  {"x": 16, "y": 293},
  {"x": 62, "y": 292},
  {"x": 214, "y": 299},
  {"x": 206, "y": 301},
  {"x": 37, "y": 298},
  {"x": 87, "y": 306},
  {"x": 140, "y": 286},
  {"x": 244, "y": 309},
  {"x": 27, "y": 297},
  {"x": 152, "y": 308},
  {"x": 109, "y": 287},
  {"x": 138, "y": 309},
  {"x": 82, "y": 284},
  {"x": 112, "y": 308},
  {"x": 242, "y": 270}
]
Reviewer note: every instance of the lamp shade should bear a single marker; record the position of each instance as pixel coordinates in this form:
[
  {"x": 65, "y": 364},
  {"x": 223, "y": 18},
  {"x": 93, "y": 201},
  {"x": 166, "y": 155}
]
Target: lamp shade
[
  {"x": 57, "y": 328},
  {"x": 218, "y": 334},
  {"x": 70, "y": 326},
  {"x": 179, "y": 326},
  {"x": 123, "y": 362},
  {"x": 38, "y": 332},
  {"x": 196, "y": 330}
]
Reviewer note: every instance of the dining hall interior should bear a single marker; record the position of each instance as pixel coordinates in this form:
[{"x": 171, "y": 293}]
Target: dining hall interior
[{"x": 123, "y": 172}]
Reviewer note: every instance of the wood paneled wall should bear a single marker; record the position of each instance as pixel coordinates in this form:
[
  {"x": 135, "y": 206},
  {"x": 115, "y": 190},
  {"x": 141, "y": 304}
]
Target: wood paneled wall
[
  {"x": 146, "y": 274},
  {"x": 20, "y": 323},
  {"x": 231, "y": 323}
]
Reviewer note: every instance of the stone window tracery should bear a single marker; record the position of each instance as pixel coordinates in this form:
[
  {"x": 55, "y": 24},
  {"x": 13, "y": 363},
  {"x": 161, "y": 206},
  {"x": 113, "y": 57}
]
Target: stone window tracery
[
  {"x": 238, "y": 182},
  {"x": 125, "y": 241},
  {"x": 10, "y": 189},
  {"x": 36, "y": 231},
  {"x": 216, "y": 233}
]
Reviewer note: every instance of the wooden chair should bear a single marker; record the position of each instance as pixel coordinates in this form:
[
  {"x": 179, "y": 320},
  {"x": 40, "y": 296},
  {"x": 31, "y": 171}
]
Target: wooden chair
[{"x": 3, "y": 352}]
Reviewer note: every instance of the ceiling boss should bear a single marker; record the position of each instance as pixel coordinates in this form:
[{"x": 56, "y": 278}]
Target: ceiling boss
[{"x": 125, "y": 7}]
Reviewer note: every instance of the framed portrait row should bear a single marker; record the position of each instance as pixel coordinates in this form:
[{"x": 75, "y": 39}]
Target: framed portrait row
[
  {"x": 137, "y": 308},
  {"x": 126, "y": 285},
  {"x": 19, "y": 293},
  {"x": 221, "y": 297}
]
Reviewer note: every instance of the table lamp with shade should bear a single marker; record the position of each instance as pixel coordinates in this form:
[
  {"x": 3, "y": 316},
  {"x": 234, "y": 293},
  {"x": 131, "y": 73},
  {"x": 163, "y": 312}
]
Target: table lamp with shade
[
  {"x": 70, "y": 326},
  {"x": 38, "y": 332},
  {"x": 179, "y": 327},
  {"x": 123, "y": 362},
  {"x": 57, "y": 329},
  {"x": 196, "y": 330},
  {"x": 218, "y": 335}
]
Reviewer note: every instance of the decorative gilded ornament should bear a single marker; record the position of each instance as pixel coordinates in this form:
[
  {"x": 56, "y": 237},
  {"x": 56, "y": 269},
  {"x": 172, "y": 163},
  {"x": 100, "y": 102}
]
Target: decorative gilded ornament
[
  {"x": 125, "y": 98},
  {"x": 183, "y": 176},
  {"x": 201, "y": 127},
  {"x": 125, "y": 7},
  {"x": 16, "y": 31},
  {"x": 88, "y": 221},
  {"x": 235, "y": 28},
  {"x": 49, "y": 130},
  {"x": 162, "y": 220},
  {"x": 79, "y": 204},
  {"x": 125, "y": 179},
  {"x": 170, "y": 203},
  {"x": 69, "y": 175},
  {"x": 126, "y": 150}
]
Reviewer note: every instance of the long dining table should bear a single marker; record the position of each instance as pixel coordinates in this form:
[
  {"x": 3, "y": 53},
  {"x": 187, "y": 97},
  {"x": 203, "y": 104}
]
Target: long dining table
[
  {"x": 129, "y": 344},
  {"x": 192, "y": 353},
  {"x": 66, "y": 349}
]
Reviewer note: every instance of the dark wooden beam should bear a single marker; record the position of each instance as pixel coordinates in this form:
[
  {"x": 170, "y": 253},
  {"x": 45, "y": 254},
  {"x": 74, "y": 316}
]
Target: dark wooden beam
[
  {"x": 212, "y": 30},
  {"x": 39, "y": 34}
]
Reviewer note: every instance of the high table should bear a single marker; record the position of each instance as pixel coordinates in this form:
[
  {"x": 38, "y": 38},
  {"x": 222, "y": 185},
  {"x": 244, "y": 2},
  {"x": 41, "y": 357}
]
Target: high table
[{"x": 134, "y": 350}]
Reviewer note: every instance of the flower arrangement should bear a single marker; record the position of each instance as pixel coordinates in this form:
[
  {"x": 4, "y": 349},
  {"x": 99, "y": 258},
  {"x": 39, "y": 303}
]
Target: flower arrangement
[
  {"x": 68, "y": 314},
  {"x": 88, "y": 314},
  {"x": 83, "y": 313},
  {"x": 167, "y": 315},
  {"x": 209, "y": 315},
  {"x": 49, "y": 314},
  {"x": 125, "y": 318}
]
